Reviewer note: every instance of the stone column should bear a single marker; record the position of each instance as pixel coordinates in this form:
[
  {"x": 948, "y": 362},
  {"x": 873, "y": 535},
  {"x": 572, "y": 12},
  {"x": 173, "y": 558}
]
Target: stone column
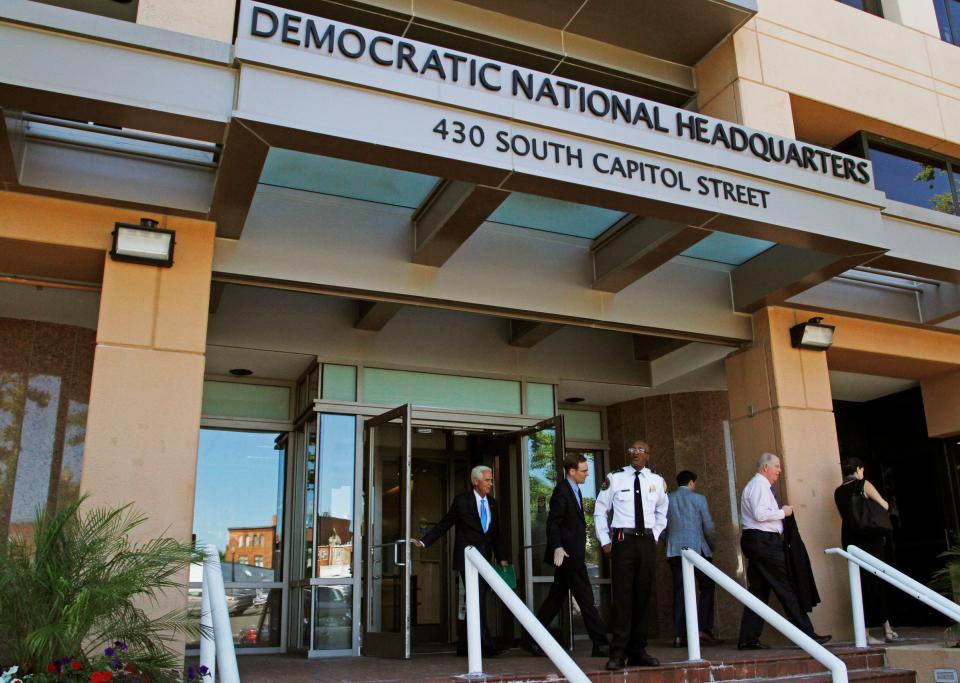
[{"x": 780, "y": 402}]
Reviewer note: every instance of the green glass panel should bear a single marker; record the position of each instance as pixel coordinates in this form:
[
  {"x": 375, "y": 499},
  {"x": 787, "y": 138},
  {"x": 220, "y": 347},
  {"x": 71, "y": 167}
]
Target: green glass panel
[
  {"x": 582, "y": 424},
  {"x": 395, "y": 387},
  {"x": 540, "y": 399},
  {"x": 233, "y": 399},
  {"x": 339, "y": 382}
]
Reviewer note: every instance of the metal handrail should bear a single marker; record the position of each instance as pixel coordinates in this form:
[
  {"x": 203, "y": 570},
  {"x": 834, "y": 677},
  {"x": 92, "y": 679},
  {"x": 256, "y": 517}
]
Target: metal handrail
[
  {"x": 475, "y": 566},
  {"x": 217, "y": 650},
  {"x": 691, "y": 559},
  {"x": 860, "y": 559}
]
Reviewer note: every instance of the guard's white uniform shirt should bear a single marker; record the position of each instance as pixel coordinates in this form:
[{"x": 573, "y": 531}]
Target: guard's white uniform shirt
[
  {"x": 759, "y": 508},
  {"x": 617, "y": 494}
]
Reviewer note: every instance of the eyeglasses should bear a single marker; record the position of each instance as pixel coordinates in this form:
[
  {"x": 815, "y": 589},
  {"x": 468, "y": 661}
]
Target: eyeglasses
[{"x": 632, "y": 450}]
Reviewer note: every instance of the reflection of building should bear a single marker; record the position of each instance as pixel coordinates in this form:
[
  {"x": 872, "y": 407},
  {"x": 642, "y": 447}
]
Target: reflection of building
[
  {"x": 252, "y": 545},
  {"x": 337, "y": 536}
]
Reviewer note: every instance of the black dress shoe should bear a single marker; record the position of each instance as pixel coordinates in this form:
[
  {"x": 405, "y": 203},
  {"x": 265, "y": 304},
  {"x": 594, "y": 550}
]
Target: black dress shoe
[
  {"x": 600, "y": 650},
  {"x": 755, "y": 645},
  {"x": 532, "y": 648},
  {"x": 643, "y": 659},
  {"x": 615, "y": 664},
  {"x": 822, "y": 639}
]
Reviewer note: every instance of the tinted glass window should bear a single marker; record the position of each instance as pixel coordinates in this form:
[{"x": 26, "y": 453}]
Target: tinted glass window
[
  {"x": 948, "y": 18},
  {"x": 871, "y": 6},
  {"x": 912, "y": 179}
]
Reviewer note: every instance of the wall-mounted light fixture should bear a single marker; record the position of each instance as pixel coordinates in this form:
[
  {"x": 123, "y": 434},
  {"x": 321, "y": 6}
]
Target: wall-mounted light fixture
[
  {"x": 812, "y": 334},
  {"x": 144, "y": 243}
]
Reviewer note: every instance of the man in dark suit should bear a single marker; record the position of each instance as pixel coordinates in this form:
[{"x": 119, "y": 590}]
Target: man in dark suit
[
  {"x": 474, "y": 514},
  {"x": 566, "y": 550}
]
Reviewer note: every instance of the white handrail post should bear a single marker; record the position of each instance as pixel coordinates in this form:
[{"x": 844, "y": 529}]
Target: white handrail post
[
  {"x": 856, "y": 605},
  {"x": 208, "y": 646},
  {"x": 474, "y": 645},
  {"x": 528, "y": 620},
  {"x": 226, "y": 655},
  {"x": 690, "y": 609}
]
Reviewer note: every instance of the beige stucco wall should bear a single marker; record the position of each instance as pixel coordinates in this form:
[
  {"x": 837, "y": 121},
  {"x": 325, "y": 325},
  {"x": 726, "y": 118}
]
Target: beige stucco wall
[
  {"x": 825, "y": 70},
  {"x": 208, "y": 19}
]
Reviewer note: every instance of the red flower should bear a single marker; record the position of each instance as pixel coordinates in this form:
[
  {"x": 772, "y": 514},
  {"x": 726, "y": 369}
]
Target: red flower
[
  {"x": 51, "y": 667},
  {"x": 75, "y": 665},
  {"x": 101, "y": 677},
  {"x": 107, "y": 677}
]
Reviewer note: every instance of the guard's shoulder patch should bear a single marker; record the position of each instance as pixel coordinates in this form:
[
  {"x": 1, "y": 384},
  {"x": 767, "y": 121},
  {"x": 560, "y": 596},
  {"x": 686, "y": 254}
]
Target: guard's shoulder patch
[{"x": 606, "y": 484}]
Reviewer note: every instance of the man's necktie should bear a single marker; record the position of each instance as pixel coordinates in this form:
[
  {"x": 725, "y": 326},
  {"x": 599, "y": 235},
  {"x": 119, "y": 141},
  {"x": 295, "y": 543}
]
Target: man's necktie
[
  {"x": 484, "y": 519},
  {"x": 579, "y": 497},
  {"x": 637, "y": 502},
  {"x": 773, "y": 492}
]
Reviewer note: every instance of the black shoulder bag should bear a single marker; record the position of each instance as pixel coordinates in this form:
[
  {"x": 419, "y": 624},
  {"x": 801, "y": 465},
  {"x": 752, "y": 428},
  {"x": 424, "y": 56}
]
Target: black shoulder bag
[{"x": 868, "y": 516}]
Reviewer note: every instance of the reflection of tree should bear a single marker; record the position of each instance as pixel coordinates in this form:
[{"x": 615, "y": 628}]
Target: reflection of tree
[
  {"x": 942, "y": 201},
  {"x": 542, "y": 468},
  {"x": 15, "y": 393}
]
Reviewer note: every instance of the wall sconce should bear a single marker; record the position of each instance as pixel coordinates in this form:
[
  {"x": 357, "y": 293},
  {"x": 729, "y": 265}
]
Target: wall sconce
[
  {"x": 144, "y": 243},
  {"x": 812, "y": 334}
]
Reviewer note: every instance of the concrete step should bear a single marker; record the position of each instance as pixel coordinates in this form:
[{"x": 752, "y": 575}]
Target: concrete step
[{"x": 885, "y": 675}]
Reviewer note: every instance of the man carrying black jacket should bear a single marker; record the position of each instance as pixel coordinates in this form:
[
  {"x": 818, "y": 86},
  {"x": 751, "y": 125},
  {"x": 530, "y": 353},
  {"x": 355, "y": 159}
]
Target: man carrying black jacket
[
  {"x": 566, "y": 550},
  {"x": 475, "y": 515}
]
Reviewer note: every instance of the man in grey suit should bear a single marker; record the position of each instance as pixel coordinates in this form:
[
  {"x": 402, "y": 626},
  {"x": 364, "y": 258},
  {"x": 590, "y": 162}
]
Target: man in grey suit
[{"x": 689, "y": 525}]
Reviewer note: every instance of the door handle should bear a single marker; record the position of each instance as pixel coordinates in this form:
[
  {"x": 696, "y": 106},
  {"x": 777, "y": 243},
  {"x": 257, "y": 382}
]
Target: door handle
[{"x": 396, "y": 552}]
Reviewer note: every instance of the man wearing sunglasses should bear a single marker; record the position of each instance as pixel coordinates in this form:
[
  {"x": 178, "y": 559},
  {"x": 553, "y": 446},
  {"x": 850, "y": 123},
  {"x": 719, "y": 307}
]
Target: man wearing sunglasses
[{"x": 637, "y": 500}]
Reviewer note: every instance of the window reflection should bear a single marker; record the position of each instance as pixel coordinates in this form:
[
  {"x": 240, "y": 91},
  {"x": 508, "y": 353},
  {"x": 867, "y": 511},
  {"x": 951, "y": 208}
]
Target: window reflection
[
  {"x": 335, "y": 498},
  {"x": 542, "y": 467},
  {"x": 333, "y": 627},
  {"x": 45, "y": 372},
  {"x": 913, "y": 179},
  {"x": 239, "y": 499},
  {"x": 254, "y": 615}
]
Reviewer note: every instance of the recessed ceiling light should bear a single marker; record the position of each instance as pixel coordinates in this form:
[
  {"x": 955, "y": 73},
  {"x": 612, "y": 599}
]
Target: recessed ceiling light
[
  {"x": 424, "y": 430},
  {"x": 573, "y": 399},
  {"x": 459, "y": 432},
  {"x": 241, "y": 372}
]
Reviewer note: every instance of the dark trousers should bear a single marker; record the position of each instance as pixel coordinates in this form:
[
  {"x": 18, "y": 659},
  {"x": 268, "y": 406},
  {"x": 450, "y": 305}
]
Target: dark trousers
[
  {"x": 705, "y": 592},
  {"x": 486, "y": 642},
  {"x": 572, "y": 577},
  {"x": 766, "y": 570},
  {"x": 634, "y": 567}
]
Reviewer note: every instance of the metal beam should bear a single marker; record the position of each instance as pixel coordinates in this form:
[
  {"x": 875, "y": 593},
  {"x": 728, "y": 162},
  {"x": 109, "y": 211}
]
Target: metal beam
[
  {"x": 448, "y": 216},
  {"x": 373, "y": 315},
  {"x": 528, "y": 333},
  {"x": 11, "y": 146},
  {"x": 783, "y": 271},
  {"x": 637, "y": 246},
  {"x": 939, "y": 303},
  {"x": 241, "y": 163}
]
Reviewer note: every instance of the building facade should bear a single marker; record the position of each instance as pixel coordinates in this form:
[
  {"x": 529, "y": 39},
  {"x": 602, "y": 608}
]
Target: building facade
[{"x": 410, "y": 238}]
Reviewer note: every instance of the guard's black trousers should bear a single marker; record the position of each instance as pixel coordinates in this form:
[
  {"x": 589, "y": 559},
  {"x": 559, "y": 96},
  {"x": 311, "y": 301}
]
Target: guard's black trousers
[
  {"x": 572, "y": 576},
  {"x": 633, "y": 568},
  {"x": 767, "y": 569}
]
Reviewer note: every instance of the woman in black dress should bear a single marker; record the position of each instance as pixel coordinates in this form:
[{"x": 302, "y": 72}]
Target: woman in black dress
[{"x": 874, "y": 589}]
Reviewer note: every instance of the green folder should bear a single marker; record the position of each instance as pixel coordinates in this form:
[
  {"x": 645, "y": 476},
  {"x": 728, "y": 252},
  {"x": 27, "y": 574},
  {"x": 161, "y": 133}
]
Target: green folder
[{"x": 508, "y": 574}]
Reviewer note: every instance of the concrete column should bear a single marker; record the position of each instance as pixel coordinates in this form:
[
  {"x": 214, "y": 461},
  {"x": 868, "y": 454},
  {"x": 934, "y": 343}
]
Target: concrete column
[
  {"x": 917, "y": 15},
  {"x": 780, "y": 402},
  {"x": 144, "y": 412},
  {"x": 941, "y": 405}
]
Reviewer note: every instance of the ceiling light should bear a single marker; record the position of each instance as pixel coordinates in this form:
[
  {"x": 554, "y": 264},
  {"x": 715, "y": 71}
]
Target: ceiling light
[
  {"x": 241, "y": 372},
  {"x": 812, "y": 335},
  {"x": 144, "y": 243},
  {"x": 424, "y": 430},
  {"x": 573, "y": 399}
]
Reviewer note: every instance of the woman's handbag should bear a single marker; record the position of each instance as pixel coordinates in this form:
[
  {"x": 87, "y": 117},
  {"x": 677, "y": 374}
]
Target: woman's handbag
[{"x": 868, "y": 516}]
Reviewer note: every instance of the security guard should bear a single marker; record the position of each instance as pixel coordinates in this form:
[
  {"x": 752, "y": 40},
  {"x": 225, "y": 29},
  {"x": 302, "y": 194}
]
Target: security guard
[{"x": 638, "y": 499}]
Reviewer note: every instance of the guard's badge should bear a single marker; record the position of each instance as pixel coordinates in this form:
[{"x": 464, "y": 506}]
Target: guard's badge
[{"x": 605, "y": 485}]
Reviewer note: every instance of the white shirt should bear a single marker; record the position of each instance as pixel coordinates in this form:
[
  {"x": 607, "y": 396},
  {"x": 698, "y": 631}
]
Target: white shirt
[
  {"x": 481, "y": 501},
  {"x": 759, "y": 508},
  {"x": 617, "y": 494}
]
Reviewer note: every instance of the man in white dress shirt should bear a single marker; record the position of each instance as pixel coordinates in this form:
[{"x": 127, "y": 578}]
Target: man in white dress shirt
[
  {"x": 638, "y": 499},
  {"x": 762, "y": 545}
]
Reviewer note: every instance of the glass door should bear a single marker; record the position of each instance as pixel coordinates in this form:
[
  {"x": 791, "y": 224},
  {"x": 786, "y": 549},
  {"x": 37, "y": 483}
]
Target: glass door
[{"x": 387, "y": 473}]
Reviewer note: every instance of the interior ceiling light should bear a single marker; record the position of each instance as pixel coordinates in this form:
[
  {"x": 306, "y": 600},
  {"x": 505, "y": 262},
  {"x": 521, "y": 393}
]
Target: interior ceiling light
[
  {"x": 241, "y": 372},
  {"x": 812, "y": 334},
  {"x": 424, "y": 430},
  {"x": 573, "y": 399}
]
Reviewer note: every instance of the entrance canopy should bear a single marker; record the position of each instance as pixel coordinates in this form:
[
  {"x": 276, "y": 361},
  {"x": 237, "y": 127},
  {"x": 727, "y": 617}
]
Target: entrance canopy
[{"x": 560, "y": 201}]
